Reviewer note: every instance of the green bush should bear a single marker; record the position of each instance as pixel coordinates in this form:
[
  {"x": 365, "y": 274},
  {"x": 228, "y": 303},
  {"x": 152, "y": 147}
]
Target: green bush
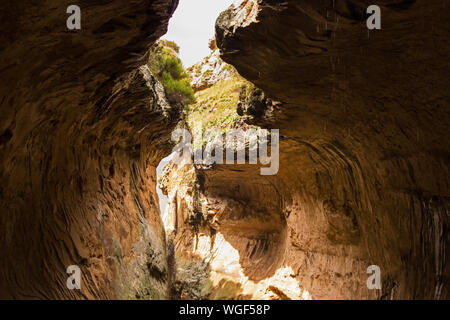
[
  {"x": 166, "y": 65},
  {"x": 178, "y": 89},
  {"x": 172, "y": 64}
]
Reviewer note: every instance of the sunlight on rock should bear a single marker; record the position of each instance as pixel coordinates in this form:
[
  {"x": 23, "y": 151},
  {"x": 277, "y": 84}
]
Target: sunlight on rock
[{"x": 224, "y": 262}]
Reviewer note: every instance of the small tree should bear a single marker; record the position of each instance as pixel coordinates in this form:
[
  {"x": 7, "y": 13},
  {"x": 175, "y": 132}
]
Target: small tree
[{"x": 167, "y": 67}]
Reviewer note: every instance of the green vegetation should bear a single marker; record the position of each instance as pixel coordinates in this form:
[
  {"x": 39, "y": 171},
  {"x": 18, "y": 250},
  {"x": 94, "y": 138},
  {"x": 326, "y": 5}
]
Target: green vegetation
[
  {"x": 208, "y": 73},
  {"x": 167, "y": 67},
  {"x": 215, "y": 108},
  {"x": 226, "y": 290}
]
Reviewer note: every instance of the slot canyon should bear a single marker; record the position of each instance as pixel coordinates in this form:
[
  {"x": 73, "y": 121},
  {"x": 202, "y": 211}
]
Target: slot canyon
[{"x": 364, "y": 166}]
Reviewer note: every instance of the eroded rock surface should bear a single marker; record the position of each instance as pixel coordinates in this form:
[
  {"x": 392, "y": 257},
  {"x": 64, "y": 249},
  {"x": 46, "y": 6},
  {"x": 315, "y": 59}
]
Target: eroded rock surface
[
  {"x": 364, "y": 154},
  {"x": 82, "y": 130}
]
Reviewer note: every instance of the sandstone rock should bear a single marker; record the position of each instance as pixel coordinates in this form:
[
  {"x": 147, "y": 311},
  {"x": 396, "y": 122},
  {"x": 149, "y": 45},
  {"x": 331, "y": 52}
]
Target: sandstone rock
[{"x": 82, "y": 130}]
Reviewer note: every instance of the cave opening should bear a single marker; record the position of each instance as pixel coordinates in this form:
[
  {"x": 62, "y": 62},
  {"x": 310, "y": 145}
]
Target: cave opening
[
  {"x": 322, "y": 222},
  {"x": 86, "y": 130},
  {"x": 162, "y": 198}
]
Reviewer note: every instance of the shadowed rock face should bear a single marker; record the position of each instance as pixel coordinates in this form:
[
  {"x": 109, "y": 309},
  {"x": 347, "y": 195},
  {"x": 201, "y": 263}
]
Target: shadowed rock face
[
  {"x": 364, "y": 155},
  {"x": 364, "y": 152},
  {"x": 82, "y": 130}
]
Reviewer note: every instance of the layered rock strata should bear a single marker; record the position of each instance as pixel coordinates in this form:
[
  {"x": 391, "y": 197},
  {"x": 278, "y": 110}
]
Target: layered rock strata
[{"x": 83, "y": 127}]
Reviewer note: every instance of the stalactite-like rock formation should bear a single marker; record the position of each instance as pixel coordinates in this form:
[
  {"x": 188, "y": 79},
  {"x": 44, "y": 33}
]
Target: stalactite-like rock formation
[
  {"x": 82, "y": 129},
  {"x": 364, "y": 152}
]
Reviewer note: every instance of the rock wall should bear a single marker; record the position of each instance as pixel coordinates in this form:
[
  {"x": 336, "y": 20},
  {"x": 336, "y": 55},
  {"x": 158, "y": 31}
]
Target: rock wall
[
  {"x": 209, "y": 71},
  {"x": 228, "y": 234},
  {"x": 82, "y": 129},
  {"x": 364, "y": 155}
]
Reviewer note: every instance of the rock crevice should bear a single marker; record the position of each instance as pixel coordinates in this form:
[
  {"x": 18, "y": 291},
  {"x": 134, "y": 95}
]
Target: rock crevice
[
  {"x": 82, "y": 130},
  {"x": 363, "y": 124}
]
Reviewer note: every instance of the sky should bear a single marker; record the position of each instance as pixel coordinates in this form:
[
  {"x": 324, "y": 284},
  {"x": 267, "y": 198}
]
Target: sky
[{"x": 192, "y": 25}]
